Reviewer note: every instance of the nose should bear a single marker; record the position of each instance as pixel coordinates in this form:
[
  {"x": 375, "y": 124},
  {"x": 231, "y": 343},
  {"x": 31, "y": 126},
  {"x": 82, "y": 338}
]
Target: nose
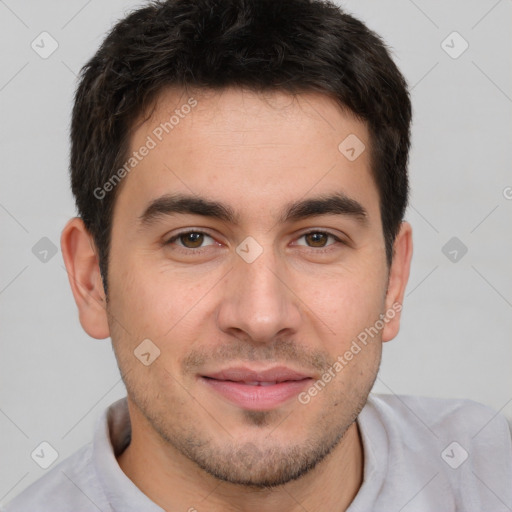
[{"x": 258, "y": 300}]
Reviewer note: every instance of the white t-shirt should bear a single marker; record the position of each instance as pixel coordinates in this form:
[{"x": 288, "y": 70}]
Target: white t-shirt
[{"x": 420, "y": 454}]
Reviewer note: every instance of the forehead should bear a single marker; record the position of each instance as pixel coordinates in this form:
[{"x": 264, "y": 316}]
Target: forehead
[{"x": 254, "y": 151}]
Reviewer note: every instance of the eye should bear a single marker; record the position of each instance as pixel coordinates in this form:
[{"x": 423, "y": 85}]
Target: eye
[
  {"x": 318, "y": 239},
  {"x": 190, "y": 239},
  {"x": 194, "y": 241}
]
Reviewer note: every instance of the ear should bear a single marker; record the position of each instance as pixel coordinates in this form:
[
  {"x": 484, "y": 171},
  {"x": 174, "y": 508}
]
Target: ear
[
  {"x": 397, "y": 280},
  {"x": 82, "y": 265}
]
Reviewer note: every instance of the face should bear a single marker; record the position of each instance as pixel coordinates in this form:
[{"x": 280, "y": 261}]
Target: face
[{"x": 249, "y": 249}]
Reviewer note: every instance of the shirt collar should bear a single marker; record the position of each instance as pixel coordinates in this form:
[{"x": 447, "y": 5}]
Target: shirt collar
[
  {"x": 111, "y": 437},
  {"x": 113, "y": 434}
]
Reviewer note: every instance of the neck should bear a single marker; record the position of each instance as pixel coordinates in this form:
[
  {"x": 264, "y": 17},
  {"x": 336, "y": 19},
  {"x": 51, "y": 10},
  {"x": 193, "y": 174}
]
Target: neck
[{"x": 174, "y": 482}]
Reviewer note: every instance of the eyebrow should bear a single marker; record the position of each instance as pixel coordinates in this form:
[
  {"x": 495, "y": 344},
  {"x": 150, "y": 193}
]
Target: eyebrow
[{"x": 171, "y": 204}]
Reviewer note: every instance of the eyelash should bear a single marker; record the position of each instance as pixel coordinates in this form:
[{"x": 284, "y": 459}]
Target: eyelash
[{"x": 201, "y": 249}]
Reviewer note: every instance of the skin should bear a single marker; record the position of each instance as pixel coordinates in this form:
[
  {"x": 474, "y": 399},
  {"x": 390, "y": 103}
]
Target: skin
[{"x": 294, "y": 305}]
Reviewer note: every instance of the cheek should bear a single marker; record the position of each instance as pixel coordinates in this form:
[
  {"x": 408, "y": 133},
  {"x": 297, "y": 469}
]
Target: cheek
[
  {"x": 157, "y": 303},
  {"x": 346, "y": 303}
]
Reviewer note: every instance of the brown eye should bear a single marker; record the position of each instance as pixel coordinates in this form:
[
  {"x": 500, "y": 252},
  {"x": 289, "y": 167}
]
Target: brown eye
[
  {"x": 317, "y": 238},
  {"x": 190, "y": 239}
]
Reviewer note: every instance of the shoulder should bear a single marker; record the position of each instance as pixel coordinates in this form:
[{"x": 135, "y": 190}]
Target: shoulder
[
  {"x": 67, "y": 486},
  {"x": 458, "y": 451},
  {"x": 439, "y": 416}
]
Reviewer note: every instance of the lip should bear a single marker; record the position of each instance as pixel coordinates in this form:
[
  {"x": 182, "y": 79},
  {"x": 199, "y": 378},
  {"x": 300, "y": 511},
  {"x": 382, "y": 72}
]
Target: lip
[{"x": 257, "y": 389}]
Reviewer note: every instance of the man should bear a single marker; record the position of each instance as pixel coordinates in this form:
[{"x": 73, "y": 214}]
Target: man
[{"x": 240, "y": 172}]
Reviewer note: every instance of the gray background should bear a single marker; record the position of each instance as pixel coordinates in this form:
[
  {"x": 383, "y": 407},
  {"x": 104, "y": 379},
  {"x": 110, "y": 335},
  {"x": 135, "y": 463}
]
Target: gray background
[{"x": 455, "y": 336}]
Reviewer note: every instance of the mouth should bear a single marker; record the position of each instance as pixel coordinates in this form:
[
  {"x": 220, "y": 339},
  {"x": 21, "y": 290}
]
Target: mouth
[{"x": 257, "y": 390}]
